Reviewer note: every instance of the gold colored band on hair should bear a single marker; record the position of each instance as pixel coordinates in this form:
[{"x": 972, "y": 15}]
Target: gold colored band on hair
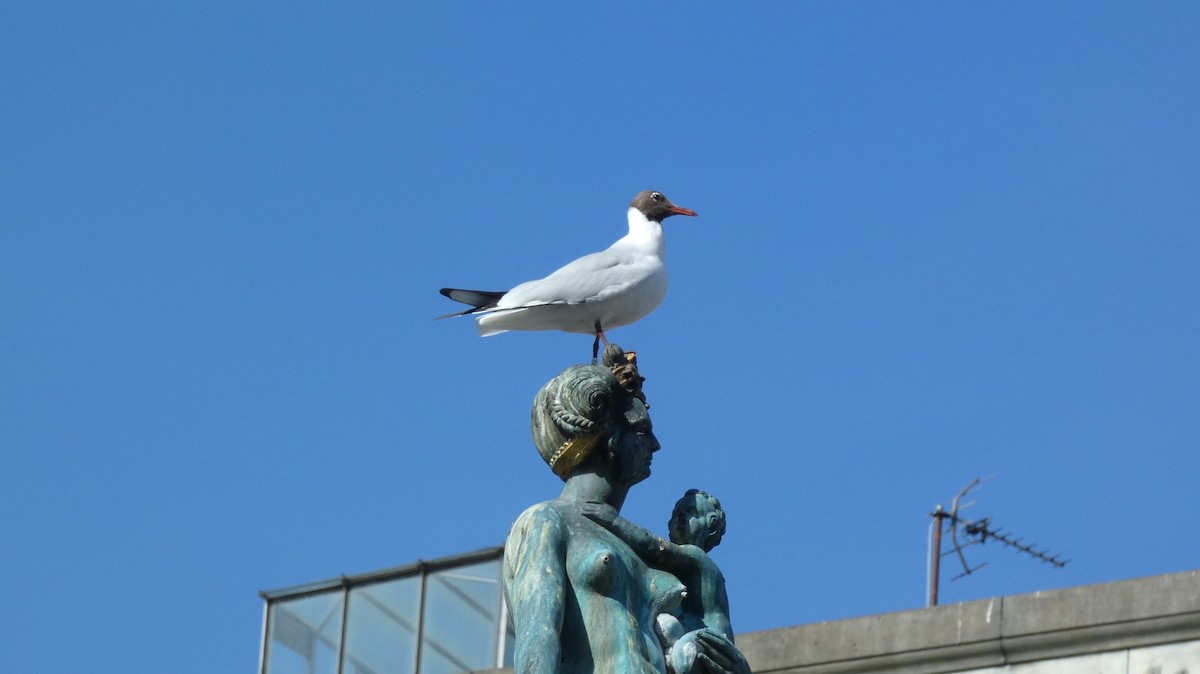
[{"x": 572, "y": 453}]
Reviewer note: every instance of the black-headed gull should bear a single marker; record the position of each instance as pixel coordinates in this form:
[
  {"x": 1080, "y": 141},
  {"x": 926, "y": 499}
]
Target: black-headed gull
[{"x": 604, "y": 290}]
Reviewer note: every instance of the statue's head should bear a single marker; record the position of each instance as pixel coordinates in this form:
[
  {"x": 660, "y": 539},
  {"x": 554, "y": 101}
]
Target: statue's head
[
  {"x": 592, "y": 415},
  {"x": 697, "y": 520}
]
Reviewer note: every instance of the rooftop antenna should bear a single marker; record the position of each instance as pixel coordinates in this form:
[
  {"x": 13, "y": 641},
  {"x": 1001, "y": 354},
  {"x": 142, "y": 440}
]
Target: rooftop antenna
[{"x": 976, "y": 532}]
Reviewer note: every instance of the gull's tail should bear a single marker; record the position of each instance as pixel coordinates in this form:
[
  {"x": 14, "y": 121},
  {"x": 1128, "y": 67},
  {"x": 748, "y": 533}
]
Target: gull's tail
[{"x": 480, "y": 300}]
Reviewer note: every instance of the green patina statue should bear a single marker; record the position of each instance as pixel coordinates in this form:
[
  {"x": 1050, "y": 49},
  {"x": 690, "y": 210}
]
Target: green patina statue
[
  {"x": 696, "y": 526},
  {"x": 590, "y": 592}
]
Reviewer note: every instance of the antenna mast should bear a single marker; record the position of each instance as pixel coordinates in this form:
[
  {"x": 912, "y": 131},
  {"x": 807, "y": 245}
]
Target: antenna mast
[{"x": 977, "y": 531}]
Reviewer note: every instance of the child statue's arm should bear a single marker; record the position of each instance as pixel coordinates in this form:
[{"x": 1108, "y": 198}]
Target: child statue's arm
[{"x": 647, "y": 545}]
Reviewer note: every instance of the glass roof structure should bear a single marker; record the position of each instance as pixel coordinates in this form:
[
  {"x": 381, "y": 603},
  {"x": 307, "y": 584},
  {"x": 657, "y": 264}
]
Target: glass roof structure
[{"x": 438, "y": 617}]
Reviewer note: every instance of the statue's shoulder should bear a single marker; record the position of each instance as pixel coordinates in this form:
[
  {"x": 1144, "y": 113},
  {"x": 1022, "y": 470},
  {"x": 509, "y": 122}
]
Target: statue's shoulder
[
  {"x": 537, "y": 531},
  {"x": 543, "y": 510},
  {"x": 698, "y": 556},
  {"x": 539, "y": 516}
]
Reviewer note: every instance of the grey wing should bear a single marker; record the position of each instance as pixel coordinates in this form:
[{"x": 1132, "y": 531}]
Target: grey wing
[{"x": 590, "y": 278}]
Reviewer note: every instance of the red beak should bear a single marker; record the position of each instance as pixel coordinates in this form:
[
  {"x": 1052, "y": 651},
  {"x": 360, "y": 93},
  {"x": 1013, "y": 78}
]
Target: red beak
[{"x": 680, "y": 210}]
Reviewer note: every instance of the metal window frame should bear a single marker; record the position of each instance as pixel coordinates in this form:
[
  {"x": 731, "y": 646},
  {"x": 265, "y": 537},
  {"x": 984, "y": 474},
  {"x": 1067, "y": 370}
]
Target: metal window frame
[{"x": 345, "y": 584}]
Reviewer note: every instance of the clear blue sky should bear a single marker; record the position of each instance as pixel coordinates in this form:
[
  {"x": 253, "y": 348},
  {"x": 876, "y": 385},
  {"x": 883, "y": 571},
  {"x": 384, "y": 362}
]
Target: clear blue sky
[{"x": 936, "y": 241}]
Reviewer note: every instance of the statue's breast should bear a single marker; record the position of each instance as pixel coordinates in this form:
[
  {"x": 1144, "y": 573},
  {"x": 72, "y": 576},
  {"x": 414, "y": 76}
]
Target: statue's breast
[
  {"x": 599, "y": 563},
  {"x": 597, "y": 569}
]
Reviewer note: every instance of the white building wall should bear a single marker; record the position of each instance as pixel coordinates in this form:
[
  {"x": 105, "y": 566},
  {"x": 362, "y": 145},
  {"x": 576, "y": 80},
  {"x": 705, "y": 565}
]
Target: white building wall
[
  {"x": 1178, "y": 658},
  {"x": 1143, "y": 626}
]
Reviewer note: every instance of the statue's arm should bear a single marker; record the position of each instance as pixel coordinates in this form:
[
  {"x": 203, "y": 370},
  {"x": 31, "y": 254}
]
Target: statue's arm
[
  {"x": 535, "y": 587},
  {"x": 652, "y": 548},
  {"x": 716, "y": 605}
]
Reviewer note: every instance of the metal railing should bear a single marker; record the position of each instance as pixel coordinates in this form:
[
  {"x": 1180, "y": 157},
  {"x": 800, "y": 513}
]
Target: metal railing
[{"x": 433, "y": 617}]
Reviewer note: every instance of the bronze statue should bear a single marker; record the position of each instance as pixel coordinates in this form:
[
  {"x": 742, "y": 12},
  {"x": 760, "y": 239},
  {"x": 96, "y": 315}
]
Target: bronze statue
[
  {"x": 583, "y": 599},
  {"x": 696, "y": 526}
]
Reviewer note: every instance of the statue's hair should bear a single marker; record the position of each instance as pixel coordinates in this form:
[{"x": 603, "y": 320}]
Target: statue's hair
[
  {"x": 572, "y": 412},
  {"x": 571, "y": 415}
]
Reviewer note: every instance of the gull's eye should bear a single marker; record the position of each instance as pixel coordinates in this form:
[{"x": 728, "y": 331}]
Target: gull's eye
[{"x": 656, "y": 196}]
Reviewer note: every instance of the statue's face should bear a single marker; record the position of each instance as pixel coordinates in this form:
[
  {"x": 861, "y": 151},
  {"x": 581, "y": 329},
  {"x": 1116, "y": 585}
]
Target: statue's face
[
  {"x": 634, "y": 443},
  {"x": 698, "y": 523}
]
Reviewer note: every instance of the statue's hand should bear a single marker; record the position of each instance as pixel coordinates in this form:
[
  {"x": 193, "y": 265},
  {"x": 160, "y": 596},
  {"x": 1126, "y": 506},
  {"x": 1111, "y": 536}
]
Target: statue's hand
[
  {"x": 599, "y": 511},
  {"x": 718, "y": 655}
]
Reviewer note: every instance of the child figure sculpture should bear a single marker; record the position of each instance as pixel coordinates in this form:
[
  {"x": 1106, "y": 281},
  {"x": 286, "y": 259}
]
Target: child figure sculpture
[{"x": 696, "y": 527}]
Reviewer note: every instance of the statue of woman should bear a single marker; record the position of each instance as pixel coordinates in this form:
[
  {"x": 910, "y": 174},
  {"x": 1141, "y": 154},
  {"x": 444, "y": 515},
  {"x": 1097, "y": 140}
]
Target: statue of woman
[{"x": 583, "y": 601}]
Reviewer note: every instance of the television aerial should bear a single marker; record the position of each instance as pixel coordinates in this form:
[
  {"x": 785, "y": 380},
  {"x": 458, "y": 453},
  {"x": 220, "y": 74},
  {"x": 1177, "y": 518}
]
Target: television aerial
[{"x": 966, "y": 532}]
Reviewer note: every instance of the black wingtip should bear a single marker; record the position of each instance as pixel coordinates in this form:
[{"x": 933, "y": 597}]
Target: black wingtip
[{"x": 478, "y": 299}]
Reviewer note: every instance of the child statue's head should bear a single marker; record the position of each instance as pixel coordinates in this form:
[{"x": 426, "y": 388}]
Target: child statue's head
[{"x": 697, "y": 520}]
